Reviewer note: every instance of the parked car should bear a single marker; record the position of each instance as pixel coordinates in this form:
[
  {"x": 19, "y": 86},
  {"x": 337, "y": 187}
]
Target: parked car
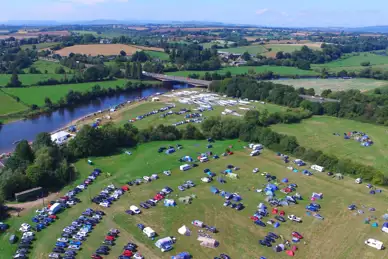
[
  {"x": 135, "y": 209},
  {"x": 294, "y": 218},
  {"x": 280, "y": 218},
  {"x": 297, "y": 235}
]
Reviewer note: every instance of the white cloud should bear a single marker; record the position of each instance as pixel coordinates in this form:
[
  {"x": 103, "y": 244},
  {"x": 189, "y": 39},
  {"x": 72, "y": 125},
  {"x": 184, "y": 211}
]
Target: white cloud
[
  {"x": 262, "y": 11},
  {"x": 92, "y": 2}
]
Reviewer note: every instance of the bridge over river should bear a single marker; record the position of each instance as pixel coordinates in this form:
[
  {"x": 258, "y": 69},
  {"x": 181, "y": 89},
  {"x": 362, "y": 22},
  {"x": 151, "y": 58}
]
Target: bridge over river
[{"x": 180, "y": 79}]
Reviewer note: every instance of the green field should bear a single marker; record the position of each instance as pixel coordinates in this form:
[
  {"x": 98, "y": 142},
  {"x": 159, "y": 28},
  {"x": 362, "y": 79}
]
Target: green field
[
  {"x": 29, "y": 79},
  {"x": 282, "y": 71},
  {"x": 341, "y": 235},
  {"x": 352, "y": 62},
  {"x": 251, "y": 49},
  {"x": 40, "y": 46},
  {"x": 43, "y": 65},
  {"x": 317, "y": 133},
  {"x": 319, "y": 85},
  {"x": 158, "y": 54},
  {"x": 9, "y": 105},
  {"x": 36, "y": 95}
]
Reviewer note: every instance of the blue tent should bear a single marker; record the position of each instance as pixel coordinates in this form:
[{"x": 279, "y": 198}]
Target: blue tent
[
  {"x": 276, "y": 225},
  {"x": 228, "y": 171},
  {"x": 169, "y": 203},
  {"x": 183, "y": 255},
  {"x": 285, "y": 180},
  {"x": 214, "y": 190},
  {"x": 237, "y": 197},
  {"x": 170, "y": 151},
  {"x": 272, "y": 187}
]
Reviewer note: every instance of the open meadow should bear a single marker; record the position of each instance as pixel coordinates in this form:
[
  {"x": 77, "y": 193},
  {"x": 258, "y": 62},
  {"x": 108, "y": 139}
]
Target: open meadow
[
  {"x": 340, "y": 235},
  {"x": 49, "y": 66},
  {"x": 282, "y": 71},
  {"x": 9, "y": 105},
  {"x": 362, "y": 84},
  {"x": 158, "y": 54},
  {"x": 317, "y": 133},
  {"x": 28, "y": 79},
  {"x": 37, "y": 94},
  {"x": 39, "y": 46},
  {"x": 251, "y": 49},
  {"x": 353, "y": 62},
  {"x": 288, "y": 48}
]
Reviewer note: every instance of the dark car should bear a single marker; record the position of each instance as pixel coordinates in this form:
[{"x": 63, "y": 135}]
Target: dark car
[
  {"x": 102, "y": 252},
  {"x": 24, "y": 246},
  {"x": 194, "y": 165},
  {"x": 70, "y": 252},
  {"x": 260, "y": 223},
  {"x": 58, "y": 250},
  {"x": 273, "y": 235},
  {"x": 280, "y": 218},
  {"x": 144, "y": 205},
  {"x": 239, "y": 206},
  {"x": 151, "y": 203},
  {"x": 130, "y": 212},
  {"x": 233, "y": 205},
  {"x": 104, "y": 247},
  {"x": 109, "y": 242},
  {"x": 269, "y": 239},
  {"x": 130, "y": 248},
  {"x": 265, "y": 243},
  {"x": 225, "y": 256}
]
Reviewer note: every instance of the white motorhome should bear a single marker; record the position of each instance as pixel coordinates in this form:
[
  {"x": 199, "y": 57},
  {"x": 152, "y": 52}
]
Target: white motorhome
[
  {"x": 149, "y": 232},
  {"x": 185, "y": 167},
  {"x": 374, "y": 243},
  {"x": 318, "y": 168}
]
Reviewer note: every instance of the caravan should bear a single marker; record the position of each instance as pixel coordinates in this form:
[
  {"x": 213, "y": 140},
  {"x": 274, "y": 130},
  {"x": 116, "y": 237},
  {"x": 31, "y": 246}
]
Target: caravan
[
  {"x": 184, "y": 167},
  {"x": 374, "y": 243},
  {"x": 165, "y": 244},
  {"x": 149, "y": 232}
]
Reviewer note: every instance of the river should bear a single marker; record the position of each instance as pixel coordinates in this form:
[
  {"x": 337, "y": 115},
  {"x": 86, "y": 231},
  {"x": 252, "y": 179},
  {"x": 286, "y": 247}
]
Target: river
[{"x": 29, "y": 128}]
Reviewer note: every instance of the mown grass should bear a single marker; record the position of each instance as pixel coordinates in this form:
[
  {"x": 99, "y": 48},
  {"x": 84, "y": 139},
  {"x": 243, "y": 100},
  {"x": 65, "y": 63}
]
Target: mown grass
[
  {"x": 362, "y": 84},
  {"x": 353, "y": 62},
  {"x": 50, "y": 67},
  {"x": 158, "y": 54},
  {"x": 317, "y": 133},
  {"x": 9, "y": 105},
  {"x": 28, "y": 79},
  {"x": 40, "y": 46},
  {"x": 36, "y": 95},
  {"x": 341, "y": 235},
  {"x": 251, "y": 49},
  {"x": 282, "y": 71}
]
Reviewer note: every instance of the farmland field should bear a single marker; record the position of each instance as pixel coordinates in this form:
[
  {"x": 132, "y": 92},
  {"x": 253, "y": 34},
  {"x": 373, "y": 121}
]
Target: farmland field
[
  {"x": 97, "y": 49},
  {"x": 317, "y": 133},
  {"x": 36, "y": 95},
  {"x": 43, "y": 65},
  {"x": 29, "y": 79},
  {"x": 251, "y": 49},
  {"x": 352, "y": 62},
  {"x": 158, "y": 54},
  {"x": 340, "y": 235},
  {"x": 282, "y": 71},
  {"x": 40, "y": 45},
  {"x": 288, "y": 48},
  {"x": 319, "y": 85},
  {"x": 9, "y": 105}
]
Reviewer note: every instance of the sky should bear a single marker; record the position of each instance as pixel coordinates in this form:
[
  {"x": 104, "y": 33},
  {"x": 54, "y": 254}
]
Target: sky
[{"x": 284, "y": 13}]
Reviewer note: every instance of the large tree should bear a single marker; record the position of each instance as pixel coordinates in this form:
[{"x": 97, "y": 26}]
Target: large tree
[{"x": 14, "y": 81}]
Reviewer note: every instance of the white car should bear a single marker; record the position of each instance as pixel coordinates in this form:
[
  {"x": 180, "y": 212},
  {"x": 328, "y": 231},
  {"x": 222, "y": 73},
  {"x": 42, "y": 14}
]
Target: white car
[
  {"x": 168, "y": 172},
  {"x": 138, "y": 256},
  {"x": 74, "y": 247},
  {"x": 147, "y": 179},
  {"x": 374, "y": 243},
  {"x": 63, "y": 239},
  {"x": 205, "y": 180},
  {"x": 135, "y": 209},
  {"x": 81, "y": 186},
  {"x": 70, "y": 203},
  {"x": 44, "y": 210},
  {"x": 97, "y": 217},
  {"x": 28, "y": 234},
  {"x": 25, "y": 227},
  {"x": 82, "y": 233},
  {"x": 104, "y": 204},
  {"x": 294, "y": 218}
]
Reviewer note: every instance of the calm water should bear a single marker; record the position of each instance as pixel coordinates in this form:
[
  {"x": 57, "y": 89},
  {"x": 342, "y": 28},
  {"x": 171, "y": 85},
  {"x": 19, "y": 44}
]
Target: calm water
[{"x": 28, "y": 129}]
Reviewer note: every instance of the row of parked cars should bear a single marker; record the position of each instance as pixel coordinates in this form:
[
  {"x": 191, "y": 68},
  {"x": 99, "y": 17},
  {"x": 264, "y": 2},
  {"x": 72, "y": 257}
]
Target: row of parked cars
[
  {"x": 150, "y": 202},
  {"x": 186, "y": 185},
  {"x": 25, "y": 243},
  {"x": 70, "y": 242},
  {"x": 130, "y": 252},
  {"x": 108, "y": 195},
  {"x": 194, "y": 120},
  {"x": 140, "y": 117},
  {"x": 107, "y": 243},
  {"x": 182, "y": 111}
]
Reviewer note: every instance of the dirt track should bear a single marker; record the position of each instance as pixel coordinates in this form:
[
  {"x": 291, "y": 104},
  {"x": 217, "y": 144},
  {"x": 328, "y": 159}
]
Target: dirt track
[{"x": 26, "y": 206}]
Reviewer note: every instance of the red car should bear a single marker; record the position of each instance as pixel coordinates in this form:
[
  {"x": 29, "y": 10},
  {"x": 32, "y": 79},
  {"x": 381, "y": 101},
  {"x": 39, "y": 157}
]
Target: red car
[
  {"x": 297, "y": 235},
  {"x": 53, "y": 217},
  {"x": 66, "y": 198},
  {"x": 125, "y": 188},
  {"x": 110, "y": 238},
  {"x": 158, "y": 197},
  {"x": 230, "y": 153},
  {"x": 96, "y": 256},
  {"x": 128, "y": 253}
]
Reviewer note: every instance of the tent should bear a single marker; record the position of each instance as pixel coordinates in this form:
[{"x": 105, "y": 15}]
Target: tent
[
  {"x": 186, "y": 199},
  {"x": 375, "y": 224},
  {"x": 290, "y": 253},
  {"x": 236, "y": 197},
  {"x": 269, "y": 193},
  {"x": 208, "y": 242},
  {"x": 197, "y": 223},
  {"x": 214, "y": 190},
  {"x": 279, "y": 248},
  {"x": 317, "y": 195},
  {"x": 183, "y": 255},
  {"x": 232, "y": 176},
  {"x": 187, "y": 159},
  {"x": 169, "y": 203},
  {"x": 228, "y": 171},
  {"x": 276, "y": 225},
  {"x": 339, "y": 176},
  {"x": 184, "y": 231},
  {"x": 285, "y": 180},
  {"x": 271, "y": 187}
]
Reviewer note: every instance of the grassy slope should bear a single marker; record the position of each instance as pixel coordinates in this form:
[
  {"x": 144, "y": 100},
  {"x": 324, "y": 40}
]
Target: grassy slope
[
  {"x": 9, "y": 105},
  {"x": 283, "y": 71},
  {"x": 352, "y": 63},
  {"x": 40, "y": 45},
  {"x": 318, "y": 133},
  {"x": 158, "y": 54},
  {"x": 43, "y": 65},
  {"x": 251, "y": 49},
  {"x": 36, "y": 95},
  {"x": 29, "y": 79},
  {"x": 340, "y": 235},
  {"x": 319, "y": 85}
]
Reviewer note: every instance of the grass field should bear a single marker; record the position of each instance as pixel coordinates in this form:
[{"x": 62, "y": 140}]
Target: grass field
[
  {"x": 251, "y": 49},
  {"x": 36, "y": 95},
  {"x": 43, "y": 65},
  {"x": 319, "y": 85},
  {"x": 288, "y": 48},
  {"x": 352, "y": 62},
  {"x": 282, "y": 71},
  {"x": 29, "y": 79},
  {"x": 158, "y": 54},
  {"x": 341, "y": 235},
  {"x": 40, "y": 46},
  {"x": 317, "y": 133},
  {"x": 9, "y": 105}
]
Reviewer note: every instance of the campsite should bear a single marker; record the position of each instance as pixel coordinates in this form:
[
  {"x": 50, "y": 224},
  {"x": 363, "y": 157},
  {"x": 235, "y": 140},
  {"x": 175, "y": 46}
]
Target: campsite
[{"x": 237, "y": 234}]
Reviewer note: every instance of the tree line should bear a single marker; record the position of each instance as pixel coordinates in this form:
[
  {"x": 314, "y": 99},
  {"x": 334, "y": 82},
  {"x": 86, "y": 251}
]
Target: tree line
[{"x": 352, "y": 103}]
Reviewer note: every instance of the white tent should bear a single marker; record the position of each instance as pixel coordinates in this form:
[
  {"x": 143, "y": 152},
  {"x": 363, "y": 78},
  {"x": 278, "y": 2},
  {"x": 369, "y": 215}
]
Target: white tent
[{"x": 184, "y": 231}]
